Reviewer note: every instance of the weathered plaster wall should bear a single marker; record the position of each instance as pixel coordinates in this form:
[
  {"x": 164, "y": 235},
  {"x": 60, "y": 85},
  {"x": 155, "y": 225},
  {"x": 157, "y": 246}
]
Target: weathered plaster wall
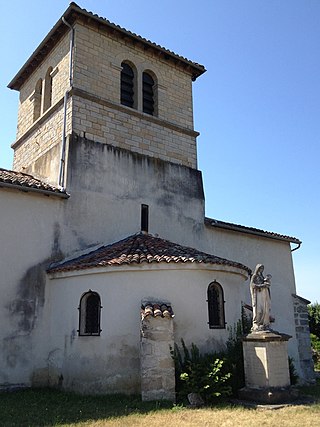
[
  {"x": 111, "y": 363},
  {"x": 108, "y": 185},
  {"x": 277, "y": 259},
  {"x": 29, "y": 238}
]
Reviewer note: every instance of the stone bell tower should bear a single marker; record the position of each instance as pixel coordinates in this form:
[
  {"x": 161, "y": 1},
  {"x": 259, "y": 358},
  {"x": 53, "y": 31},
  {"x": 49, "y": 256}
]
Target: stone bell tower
[{"x": 92, "y": 79}]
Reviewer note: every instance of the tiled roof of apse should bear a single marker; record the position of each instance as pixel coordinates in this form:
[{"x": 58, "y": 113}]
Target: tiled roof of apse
[
  {"x": 25, "y": 182},
  {"x": 60, "y": 29},
  {"x": 138, "y": 249}
]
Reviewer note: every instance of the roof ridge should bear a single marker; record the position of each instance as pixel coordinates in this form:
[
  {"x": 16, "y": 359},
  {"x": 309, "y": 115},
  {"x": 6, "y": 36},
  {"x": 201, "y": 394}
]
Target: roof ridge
[{"x": 59, "y": 29}]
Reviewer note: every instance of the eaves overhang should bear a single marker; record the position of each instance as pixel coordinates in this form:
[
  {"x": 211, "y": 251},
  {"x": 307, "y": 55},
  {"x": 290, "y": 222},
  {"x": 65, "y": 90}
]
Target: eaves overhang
[
  {"x": 73, "y": 13},
  {"x": 250, "y": 230},
  {"x": 26, "y": 183}
]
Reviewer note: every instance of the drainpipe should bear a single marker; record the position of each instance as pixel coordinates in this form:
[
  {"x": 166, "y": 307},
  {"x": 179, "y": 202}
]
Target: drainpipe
[
  {"x": 63, "y": 144},
  {"x": 297, "y": 247}
]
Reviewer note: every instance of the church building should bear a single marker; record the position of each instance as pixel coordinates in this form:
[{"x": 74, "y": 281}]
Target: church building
[{"x": 107, "y": 256}]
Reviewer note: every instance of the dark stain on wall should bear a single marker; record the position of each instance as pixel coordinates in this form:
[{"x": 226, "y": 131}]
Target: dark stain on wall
[
  {"x": 26, "y": 308},
  {"x": 30, "y": 297},
  {"x": 87, "y": 159}
]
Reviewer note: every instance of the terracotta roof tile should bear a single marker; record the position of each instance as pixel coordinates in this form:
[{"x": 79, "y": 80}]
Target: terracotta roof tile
[
  {"x": 157, "y": 309},
  {"x": 138, "y": 249},
  {"x": 26, "y": 182},
  {"x": 250, "y": 230},
  {"x": 200, "y": 67},
  {"x": 60, "y": 29}
]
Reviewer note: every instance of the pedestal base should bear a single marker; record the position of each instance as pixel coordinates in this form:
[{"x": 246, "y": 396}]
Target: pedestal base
[{"x": 266, "y": 364}]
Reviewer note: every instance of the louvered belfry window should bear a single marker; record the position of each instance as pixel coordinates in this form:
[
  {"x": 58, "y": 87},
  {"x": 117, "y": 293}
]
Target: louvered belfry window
[
  {"x": 127, "y": 85},
  {"x": 148, "y": 94},
  {"x": 216, "y": 306},
  {"x": 89, "y": 314}
]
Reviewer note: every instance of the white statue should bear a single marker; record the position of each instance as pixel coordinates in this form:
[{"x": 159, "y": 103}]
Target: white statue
[{"x": 260, "y": 295}]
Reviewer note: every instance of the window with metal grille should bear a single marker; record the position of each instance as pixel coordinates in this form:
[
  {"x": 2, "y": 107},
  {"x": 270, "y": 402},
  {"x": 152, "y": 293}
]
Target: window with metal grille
[
  {"x": 89, "y": 314},
  {"x": 148, "y": 93},
  {"x": 216, "y": 306},
  {"x": 127, "y": 85}
]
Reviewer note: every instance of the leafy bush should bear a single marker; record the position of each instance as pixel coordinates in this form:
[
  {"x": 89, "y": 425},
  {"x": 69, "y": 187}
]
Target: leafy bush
[
  {"x": 314, "y": 318},
  {"x": 315, "y": 344},
  {"x": 200, "y": 373},
  {"x": 212, "y": 374},
  {"x": 314, "y": 324}
]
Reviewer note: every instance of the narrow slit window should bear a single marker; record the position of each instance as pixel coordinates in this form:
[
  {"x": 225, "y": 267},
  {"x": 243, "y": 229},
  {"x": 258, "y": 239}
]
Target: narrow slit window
[
  {"x": 148, "y": 93},
  {"x": 216, "y": 306},
  {"x": 127, "y": 85},
  {"x": 37, "y": 100},
  {"x": 47, "y": 99},
  {"x": 145, "y": 218},
  {"x": 89, "y": 314}
]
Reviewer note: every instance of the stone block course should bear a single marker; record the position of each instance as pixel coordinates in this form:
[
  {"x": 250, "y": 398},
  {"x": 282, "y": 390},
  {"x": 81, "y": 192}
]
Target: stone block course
[{"x": 303, "y": 336}]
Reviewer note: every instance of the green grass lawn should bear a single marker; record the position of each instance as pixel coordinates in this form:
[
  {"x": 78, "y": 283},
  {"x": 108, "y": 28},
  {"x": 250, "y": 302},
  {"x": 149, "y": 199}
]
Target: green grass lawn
[{"x": 45, "y": 407}]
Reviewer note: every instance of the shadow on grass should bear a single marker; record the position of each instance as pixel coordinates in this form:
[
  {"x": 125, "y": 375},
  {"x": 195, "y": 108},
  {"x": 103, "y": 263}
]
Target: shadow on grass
[
  {"x": 46, "y": 407},
  {"x": 312, "y": 390}
]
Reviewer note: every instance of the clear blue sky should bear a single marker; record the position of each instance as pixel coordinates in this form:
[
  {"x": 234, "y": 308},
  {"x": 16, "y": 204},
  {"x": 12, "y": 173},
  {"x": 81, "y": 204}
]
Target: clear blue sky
[{"x": 257, "y": 107}]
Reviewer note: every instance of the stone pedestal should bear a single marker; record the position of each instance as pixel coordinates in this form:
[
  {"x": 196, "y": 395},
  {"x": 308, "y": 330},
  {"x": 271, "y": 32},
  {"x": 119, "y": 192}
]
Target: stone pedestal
[{"x": 266, "y": 367}]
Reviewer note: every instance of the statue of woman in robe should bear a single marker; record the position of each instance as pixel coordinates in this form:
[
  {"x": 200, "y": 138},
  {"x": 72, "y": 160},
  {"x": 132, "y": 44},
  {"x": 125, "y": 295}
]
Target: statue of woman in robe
[{"x": 260, "y": 295}]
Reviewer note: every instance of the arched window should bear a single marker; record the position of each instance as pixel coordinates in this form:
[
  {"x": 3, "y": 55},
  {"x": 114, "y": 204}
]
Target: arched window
[
  {"x": 127, "y": 85},
  {"x": 47, "y": 99},
  {"x": 216, "y": 306},
  {"x": 147, "y": 93},
  {"x": 37, "y": 97},
  {"x": 89, "y": 314}
]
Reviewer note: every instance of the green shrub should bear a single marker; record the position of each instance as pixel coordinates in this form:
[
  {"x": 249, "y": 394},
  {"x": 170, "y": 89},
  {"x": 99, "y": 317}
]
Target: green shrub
[
  {"x": 315, "y": 344},
  {"x": 200, "y": 373},
  {"x": 314, "y": 318},
  {"x": 212, "y": 374}
]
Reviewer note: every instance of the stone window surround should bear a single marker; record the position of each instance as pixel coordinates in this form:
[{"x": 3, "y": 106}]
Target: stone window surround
[
  {"x": 40, "y": 96},
  {"x": 139, "y": 69}
]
